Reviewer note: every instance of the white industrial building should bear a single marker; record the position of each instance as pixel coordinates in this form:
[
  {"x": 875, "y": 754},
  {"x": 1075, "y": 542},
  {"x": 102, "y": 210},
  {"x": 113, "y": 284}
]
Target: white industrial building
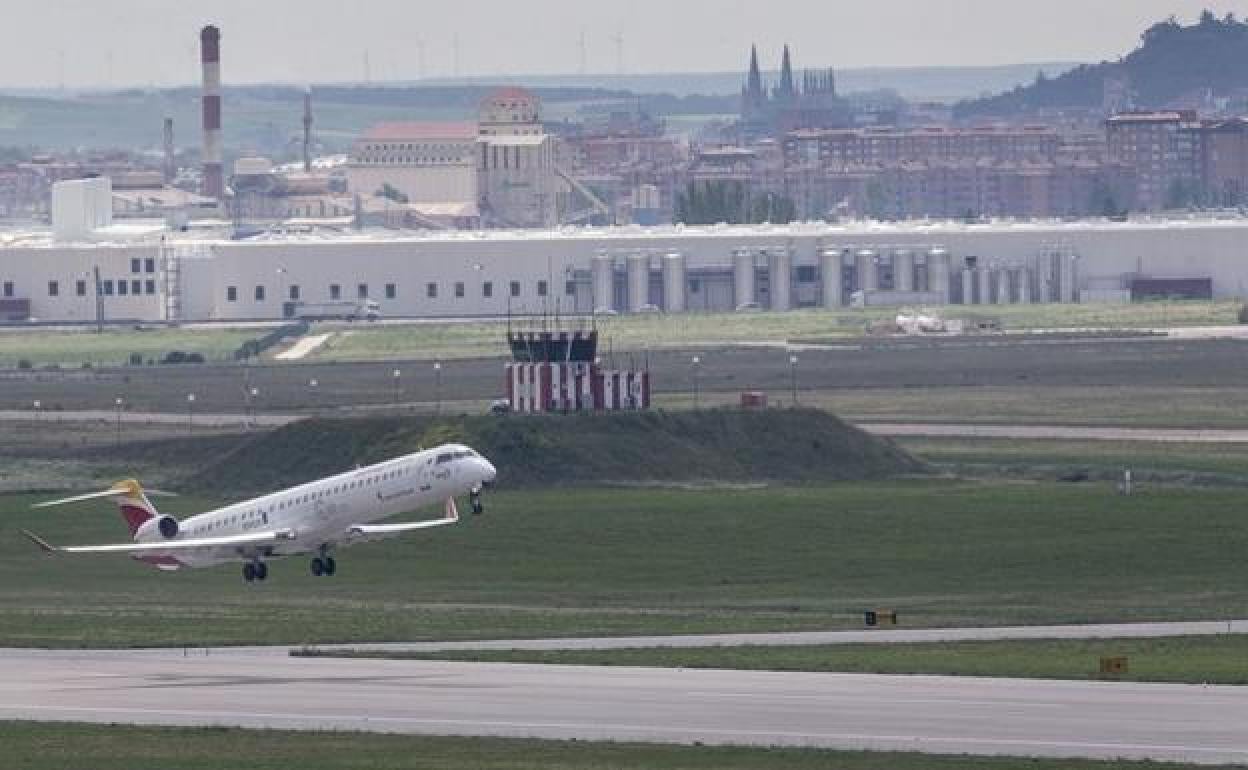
[{"x": 148, "y": 272}]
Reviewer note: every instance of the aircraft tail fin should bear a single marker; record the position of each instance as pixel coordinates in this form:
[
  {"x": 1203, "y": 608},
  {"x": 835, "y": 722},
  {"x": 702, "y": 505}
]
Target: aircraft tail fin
[{"x": 131, "y": 501}]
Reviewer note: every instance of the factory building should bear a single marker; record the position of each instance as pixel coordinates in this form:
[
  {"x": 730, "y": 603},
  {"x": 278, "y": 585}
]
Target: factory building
[
  {"x": 499, "y": 171},
  {"x": 144, "y": 271}
]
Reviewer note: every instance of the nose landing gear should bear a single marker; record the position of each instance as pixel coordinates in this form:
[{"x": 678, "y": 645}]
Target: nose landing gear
[{"x": 478, "y": 507}]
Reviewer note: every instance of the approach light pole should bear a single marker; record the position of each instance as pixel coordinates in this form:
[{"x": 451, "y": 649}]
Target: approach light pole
[
  {"x": 313, "y": 384},
  {"x": 119, "y": 402},
  {"x": 190, "y": 412},
  {"x": 38, "y": 407},
  {"x": 696, "y": 364},
  {"x": 793, "y": 377},
  {"x": 437, "y": 385},
  {"x": 397, "y": 376},
  {"x": 252, "y": 396}
]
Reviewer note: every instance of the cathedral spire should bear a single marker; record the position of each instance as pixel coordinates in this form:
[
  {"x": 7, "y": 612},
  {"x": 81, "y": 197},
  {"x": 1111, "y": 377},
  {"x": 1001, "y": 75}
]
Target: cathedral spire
[
  {"x": 754, "y": 87},
  {"x": 786, "y": 89}
]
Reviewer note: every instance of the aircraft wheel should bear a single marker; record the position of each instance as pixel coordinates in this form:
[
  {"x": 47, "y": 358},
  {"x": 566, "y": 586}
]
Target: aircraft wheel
[
  {"x": 331, "y": 566},
  {"x": 262, "y": 571},
  {"x": 478, "y": 507},
  {"x": 318, "y": 566},
  {"x": 249, "y": 572}
]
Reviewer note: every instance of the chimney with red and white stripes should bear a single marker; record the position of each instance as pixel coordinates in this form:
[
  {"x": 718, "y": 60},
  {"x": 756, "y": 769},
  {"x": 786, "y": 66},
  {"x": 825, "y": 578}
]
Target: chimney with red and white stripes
[{"x": 214, "y": 176}]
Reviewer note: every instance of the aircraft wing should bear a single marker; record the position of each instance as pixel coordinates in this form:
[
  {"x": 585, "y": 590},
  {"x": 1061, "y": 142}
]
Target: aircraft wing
[
  {"x": 395, "y": 529},
  {"x": 252, "y": 538},
  {"x": 366, "y": 530}
]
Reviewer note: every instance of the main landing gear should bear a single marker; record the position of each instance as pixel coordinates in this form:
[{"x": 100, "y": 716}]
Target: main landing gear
[
  {"x": 478, "y": 507},
  {"x": 255, "y": 570},
  {"x": 324, "y": 564}
]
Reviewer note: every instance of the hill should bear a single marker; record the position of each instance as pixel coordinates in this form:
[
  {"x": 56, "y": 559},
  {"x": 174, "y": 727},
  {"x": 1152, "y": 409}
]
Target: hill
[
  {"x": 1172, "y": 61},
  {"x": 725, "y": 445}
]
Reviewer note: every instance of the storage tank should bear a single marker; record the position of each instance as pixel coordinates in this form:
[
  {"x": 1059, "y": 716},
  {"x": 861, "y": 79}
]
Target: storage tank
[
  {"x": 985, "y": 285},
  {"x": 674, "y": 282},
  {"x": 903, "y": 270},
  {"x": 868, "y": 270},
  {"x": 968, "y": 286},
  {"x": 638, "y": 282},
  {"x": 780, "y": 279},
  {"x": 938, "y": 273},
  {"x": 743, "y": 277},
  {"x": 1002, "y": 275},
  {"x": 1024, "y": 286},
  {"x": 832, "y": 269},
  {"x": 604, "y": 283}
]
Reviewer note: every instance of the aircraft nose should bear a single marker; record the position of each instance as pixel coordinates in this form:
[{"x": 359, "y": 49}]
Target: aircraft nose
[{"x": 488, "y": 473}]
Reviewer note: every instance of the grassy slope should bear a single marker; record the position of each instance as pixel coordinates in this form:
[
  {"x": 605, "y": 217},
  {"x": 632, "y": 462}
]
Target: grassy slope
[
  {"x": 1222, "y": 660},
  {"x": 793, "y": 445},
  {"x": 114, "y": 346},
  {"x": 54, "y": 747},
  {"x": 448, "y": 341},
  {"x": 621, "y": 561}
]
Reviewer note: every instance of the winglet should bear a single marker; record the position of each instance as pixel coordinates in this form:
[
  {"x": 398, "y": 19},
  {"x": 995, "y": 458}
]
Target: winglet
[{"x": 44, "y": 545}]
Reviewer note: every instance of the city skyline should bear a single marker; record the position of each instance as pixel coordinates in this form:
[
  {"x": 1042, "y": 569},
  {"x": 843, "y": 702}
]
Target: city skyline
[{"x": 145, "y": 42}]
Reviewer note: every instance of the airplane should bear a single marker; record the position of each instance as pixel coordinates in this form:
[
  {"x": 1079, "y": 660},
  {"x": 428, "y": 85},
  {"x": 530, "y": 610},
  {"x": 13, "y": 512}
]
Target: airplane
[{"x": 315, "y": 518}]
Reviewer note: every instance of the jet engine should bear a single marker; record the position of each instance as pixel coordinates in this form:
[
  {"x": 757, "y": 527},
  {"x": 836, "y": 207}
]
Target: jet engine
[{"x": 159, "y": 528}]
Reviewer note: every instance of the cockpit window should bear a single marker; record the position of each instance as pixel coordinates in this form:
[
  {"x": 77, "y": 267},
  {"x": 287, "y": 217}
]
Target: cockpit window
[{"x": 446, "y": 458}]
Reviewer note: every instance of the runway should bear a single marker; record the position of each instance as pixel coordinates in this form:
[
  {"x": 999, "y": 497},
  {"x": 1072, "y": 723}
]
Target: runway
[{"x": 932, "y": 714}]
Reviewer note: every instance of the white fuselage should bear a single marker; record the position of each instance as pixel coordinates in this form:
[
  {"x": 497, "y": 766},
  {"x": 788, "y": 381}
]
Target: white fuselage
[{"x": 321, "y": 513}]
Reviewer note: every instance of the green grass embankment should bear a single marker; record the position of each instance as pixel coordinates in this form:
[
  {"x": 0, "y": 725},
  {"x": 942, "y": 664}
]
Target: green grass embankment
[{"x": 654, "y": 447}]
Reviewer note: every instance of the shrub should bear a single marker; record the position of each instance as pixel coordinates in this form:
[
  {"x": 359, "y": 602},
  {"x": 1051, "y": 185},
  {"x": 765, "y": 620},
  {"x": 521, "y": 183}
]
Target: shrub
[{"x": 25, "y": 364}]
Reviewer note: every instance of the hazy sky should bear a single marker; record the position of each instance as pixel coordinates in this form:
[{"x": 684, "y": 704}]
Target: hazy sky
[{"x": 140, "y": 42}]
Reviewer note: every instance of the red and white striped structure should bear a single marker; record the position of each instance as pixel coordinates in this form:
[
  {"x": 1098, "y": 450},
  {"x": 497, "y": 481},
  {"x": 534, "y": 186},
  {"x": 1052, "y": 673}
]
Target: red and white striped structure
[
  {"x": 210, "y": 58},
  {"x": 534, "y": 388}
]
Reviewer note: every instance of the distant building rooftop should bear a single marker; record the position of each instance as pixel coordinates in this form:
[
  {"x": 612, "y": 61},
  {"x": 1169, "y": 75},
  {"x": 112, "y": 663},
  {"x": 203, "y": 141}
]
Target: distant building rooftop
[{"x": 400, "y": 131}]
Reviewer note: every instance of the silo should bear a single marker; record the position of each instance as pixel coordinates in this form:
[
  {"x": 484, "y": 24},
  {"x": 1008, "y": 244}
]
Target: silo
[
  {"x": 985, "y": 285},
  {"x": 1024, "y": 286},
  {"x": 1003, "y": 275},
  {"x": 1070, "y": 278},
  {"x": 938, "y": 273},
  {"x": 868, "y": 270},
  {"x": 674, "y": 282},
  {"x": 833, "y": 278},
  {"x": 638, "y": 281},
  {"x": 903, "y": 270},
  {"x": 968, "y": 285},
  {"x": 743, "y": 277},
  {"x": 604, "y": 283},
  {"x": 781, "y": 279}
]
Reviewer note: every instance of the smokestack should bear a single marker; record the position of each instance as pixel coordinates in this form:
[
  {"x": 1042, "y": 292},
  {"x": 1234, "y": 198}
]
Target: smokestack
[
  {"x": 171, "y": 168},
  {"x": 307, "y": 129},
  {"x": 210, "y": 47}
]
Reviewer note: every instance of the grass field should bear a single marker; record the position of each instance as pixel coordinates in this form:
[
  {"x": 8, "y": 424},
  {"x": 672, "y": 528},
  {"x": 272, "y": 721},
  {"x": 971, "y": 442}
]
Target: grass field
[
  {"x": 1148, "y": 462},
  {"x": 113, "y": 346},
  {"x": 30, "y": 746},
  {"x": 652, "y": 332},
  {"x": 639, "y": 561},
  {"x": 1200, "y": 659}
]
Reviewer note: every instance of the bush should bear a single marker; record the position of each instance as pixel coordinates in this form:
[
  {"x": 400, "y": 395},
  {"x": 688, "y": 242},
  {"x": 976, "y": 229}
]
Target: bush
[
  {"x": 25, "y": 364},
  {"x": 1243, "y": 314},
  {"x": 136, "y": 359}
]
